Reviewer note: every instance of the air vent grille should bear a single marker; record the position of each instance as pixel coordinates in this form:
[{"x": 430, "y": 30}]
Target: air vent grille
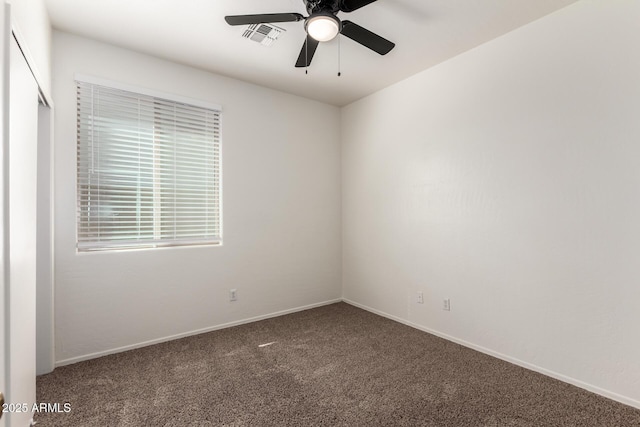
[{"x": 264, "y": 34}]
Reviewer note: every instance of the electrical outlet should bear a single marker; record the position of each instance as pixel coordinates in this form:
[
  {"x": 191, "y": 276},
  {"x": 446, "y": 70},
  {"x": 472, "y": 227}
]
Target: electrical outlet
[
  {"x": 233, "y": 294},
  {"x": 446, "y": 304},
  {"x": 420, "y": 298}
]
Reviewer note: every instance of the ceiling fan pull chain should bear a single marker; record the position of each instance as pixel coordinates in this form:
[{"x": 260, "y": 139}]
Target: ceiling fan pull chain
[
  {"x": 306, "y": 52},
  {"x": 339, "y": 51}
]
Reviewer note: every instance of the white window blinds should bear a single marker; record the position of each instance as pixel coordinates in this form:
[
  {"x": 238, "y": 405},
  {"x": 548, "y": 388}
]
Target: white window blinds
[{"x": 148, "y": 170}]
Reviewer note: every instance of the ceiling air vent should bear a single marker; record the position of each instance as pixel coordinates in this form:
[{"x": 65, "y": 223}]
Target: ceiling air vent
[{"x": 264, "y": 34}]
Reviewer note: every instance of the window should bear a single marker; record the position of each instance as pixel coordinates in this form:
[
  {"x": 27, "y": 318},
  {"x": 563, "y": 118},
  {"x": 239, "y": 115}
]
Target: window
[{"x": 148, "y": 169}]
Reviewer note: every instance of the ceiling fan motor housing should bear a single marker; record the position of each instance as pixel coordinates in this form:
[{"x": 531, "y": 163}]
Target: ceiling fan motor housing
[{"x": 316, "y": 6}]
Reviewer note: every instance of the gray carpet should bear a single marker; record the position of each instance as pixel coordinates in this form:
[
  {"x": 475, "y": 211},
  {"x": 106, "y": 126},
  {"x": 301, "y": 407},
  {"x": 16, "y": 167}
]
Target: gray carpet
[{"x": 331, "y": 366}]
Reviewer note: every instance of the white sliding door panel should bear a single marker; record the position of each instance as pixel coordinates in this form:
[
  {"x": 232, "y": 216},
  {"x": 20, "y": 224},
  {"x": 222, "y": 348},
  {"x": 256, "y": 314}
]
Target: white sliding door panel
[{"x": 23, "y": 137}]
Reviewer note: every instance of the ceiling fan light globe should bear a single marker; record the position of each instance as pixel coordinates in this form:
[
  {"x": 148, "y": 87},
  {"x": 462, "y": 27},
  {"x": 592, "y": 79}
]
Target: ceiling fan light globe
[{"x": 323, "y": 28}]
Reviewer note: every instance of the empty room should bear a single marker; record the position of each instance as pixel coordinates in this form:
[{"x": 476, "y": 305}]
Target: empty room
[{"x": 320, "y": 212}]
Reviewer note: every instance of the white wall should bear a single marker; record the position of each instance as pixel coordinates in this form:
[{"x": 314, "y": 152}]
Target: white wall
[
  {"x": 32, "y": 21},
  {"x": 507, "y": 179},
  {"x": 281, "y": 160}
]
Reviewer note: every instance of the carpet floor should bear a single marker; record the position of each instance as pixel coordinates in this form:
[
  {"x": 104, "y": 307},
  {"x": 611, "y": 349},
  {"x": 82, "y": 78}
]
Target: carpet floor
[{"x": 331, "y": 366}]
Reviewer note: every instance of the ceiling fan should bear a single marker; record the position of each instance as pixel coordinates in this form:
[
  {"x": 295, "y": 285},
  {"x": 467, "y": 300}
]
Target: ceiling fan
[{"x": 322, "y": 25}]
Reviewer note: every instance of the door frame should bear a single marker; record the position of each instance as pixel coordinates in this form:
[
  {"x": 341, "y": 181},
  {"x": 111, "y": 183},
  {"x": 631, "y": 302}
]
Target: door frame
[
  {"x": 9, "y": 31},
  {"x": 5, "y": 52},
  {"x": 45, "y": 318}
]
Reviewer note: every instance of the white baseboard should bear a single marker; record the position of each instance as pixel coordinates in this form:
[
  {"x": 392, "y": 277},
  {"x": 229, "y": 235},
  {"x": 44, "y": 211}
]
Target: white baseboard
[
  {"x": 594, "y": 389},
  {"x": 187, "y": 334}
]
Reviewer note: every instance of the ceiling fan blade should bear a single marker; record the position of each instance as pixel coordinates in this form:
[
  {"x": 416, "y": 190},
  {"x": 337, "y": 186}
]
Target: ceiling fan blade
[
  {"x": 366, "y": 38},
  {"x": 351, "y": 5},
  {"x": 264, "y": 18},
  {"x": 306, "y": 53}
]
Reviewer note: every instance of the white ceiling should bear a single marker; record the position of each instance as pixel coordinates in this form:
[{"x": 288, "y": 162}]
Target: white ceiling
[{"x": 193, "y": 32}]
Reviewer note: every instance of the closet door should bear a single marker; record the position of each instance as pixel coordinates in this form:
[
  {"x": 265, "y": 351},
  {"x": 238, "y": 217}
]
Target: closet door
[{"x": 22, "y": 167}]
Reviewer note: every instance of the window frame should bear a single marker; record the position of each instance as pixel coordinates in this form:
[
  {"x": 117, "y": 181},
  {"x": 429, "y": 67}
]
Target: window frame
[{"x": 97, "y": 245}]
